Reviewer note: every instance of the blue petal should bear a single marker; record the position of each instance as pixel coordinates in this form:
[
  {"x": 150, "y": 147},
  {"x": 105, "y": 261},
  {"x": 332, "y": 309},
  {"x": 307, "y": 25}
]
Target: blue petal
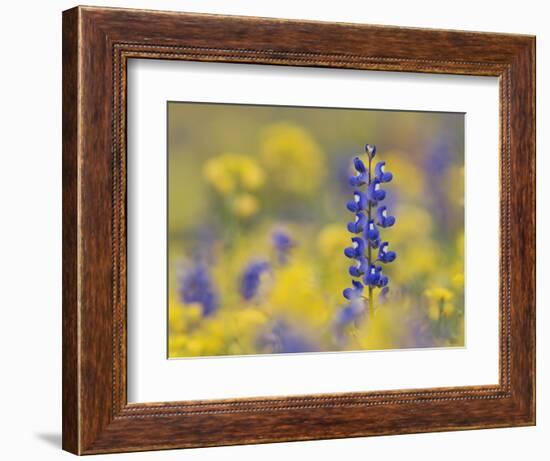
[
  {"x": 349, "y": 252},
  {"x": 352, "y": 206},
  {"x": 383, "y": 281},
  {"x": 384, "y": 255},
  {"x": 372, "y": 277},
  {"x": 358, "y": 203},
  {"x": 348, "y": 293},
  {"x": 357, "y": 250},
  {"x": 358, "y": 225},
  {"x": 357, "y": 285},
  {"x": 374, "y": 192},
  {"x": 355, "y": 292},
  {"x": 380, "y": 174},
  {"x": 371, "y": 231},
  {"x": 359, "y": 165},
  {"x": 359, "y": 268},
  {"x": 383, "y": 219}
]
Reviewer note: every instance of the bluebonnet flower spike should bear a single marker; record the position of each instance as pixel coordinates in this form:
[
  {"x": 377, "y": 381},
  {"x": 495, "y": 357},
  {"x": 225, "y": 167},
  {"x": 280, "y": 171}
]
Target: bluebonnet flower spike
[{"x": 369, "y": 214}]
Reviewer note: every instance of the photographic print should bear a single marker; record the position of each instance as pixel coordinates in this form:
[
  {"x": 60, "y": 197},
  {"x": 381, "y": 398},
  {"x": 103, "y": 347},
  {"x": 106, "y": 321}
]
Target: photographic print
[{"x": 309, "y": 229}]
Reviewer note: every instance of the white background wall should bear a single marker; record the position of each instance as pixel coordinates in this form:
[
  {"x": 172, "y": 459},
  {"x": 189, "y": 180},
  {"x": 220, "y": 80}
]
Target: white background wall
[{"x": 30, "y": 228}]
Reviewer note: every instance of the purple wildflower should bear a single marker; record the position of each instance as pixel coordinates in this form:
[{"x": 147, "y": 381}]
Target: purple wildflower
[
  {"x": 283, "y": 244},
  {"x": 195, "y": 287},
  {"x": 251, "y": 278}
]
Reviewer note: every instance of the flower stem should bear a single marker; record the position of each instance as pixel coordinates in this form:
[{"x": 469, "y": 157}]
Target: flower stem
[{"x": 369, "y": 250}]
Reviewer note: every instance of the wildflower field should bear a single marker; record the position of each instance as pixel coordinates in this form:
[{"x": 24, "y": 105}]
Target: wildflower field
[{"x": 296, "y": 230}]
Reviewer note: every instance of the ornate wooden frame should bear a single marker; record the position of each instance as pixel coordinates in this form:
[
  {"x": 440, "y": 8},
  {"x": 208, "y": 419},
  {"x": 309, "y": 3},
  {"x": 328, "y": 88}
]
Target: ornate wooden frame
[{"x": 97, "y": 43}]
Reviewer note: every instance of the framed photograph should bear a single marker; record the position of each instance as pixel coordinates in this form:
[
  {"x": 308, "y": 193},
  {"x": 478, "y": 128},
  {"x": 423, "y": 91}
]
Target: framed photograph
[{"x": 284, "y": 230}]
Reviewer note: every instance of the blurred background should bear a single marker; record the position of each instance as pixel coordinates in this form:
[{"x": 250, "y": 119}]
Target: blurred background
[{"x": 257, "y": 228}]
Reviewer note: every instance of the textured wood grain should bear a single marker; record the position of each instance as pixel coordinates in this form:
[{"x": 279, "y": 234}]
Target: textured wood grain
[
  {"x": 70, "y": 384},
  {"x": 97, "y": 43}
]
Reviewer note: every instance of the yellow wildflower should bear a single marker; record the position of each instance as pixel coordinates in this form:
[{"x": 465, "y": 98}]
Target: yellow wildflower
[
  {"x": 439, "y": 302},
  {"x": 228, "y": 172},
  {"x": 293, "y": 158},
  {"x": 332, "y": 239},
  {"x": 411, "y": 183},
  {"x": 245, "y": 205}
]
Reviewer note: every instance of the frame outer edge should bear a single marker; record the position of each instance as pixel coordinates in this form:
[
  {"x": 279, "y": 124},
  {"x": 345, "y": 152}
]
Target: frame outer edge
[
  {"x": 70, "y": 273},
  {"x": 91, "y": 419}
]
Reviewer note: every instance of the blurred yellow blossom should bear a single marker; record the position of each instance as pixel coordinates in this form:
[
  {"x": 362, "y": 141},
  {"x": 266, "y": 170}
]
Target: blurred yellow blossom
[
  {"x": 245, "y": 205},
  {"x": 296, "y": 294},
  {"x": 415, "y": 222},
  {"x": 294, "y": 160},
  {"x": 454, "y": 180},
  {"x": 331, "y": 239},
  {"x": 411, "y": 177},
  {"x": 439, "y": 302},
  {"x": 229, "y": 172},
  {"x": 232, "y": 332}
]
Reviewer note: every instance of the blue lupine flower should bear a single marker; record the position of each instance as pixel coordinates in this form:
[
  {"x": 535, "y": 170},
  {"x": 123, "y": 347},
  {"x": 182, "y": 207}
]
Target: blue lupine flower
[
  {"x": 349, "y": 314},
  {"x": 372, "y": 277},
  {"x": 355, "y": 292},
  {"x": 436, "y": 164},
  {"x": 384, "y": 220},
  {"x": 251, "y": 278},
  {"x": 382, "y": 281},
  {"x": 384, "y": 293},
  {"x": 283, "y": 244},
  {"x": 357, "y": 249},
  {"x": 195, "y": 287},
  {"x": 380, "y": 174},
  {"x": 358, "y": 203},
  {"x": 284, "y": 339},
  {"x": 368, "y": 215},
  {"x": 384, "y": 255},
  {"x": 360, "y": 267},
  {"x": 371, "y": 231},
  {"x": 362, "y": 174},
  {"x": 370, "y": 150},
  {"x": 375, "y": 193},
  {"x": 357, "y": 226}
]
